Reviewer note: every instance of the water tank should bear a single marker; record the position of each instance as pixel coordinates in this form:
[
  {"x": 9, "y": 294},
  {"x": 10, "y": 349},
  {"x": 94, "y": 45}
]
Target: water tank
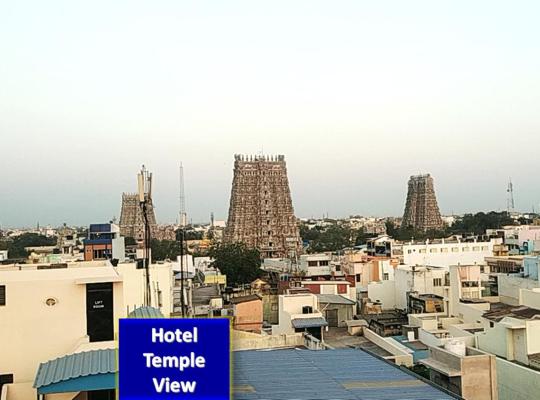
[{"x": 456, "y": 347}]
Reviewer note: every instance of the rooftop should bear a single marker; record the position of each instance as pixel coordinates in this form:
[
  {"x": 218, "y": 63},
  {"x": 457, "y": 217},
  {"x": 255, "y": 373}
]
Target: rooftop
[
  {"x": 499, "y": 311},
  {"x": 328, "y": 374},
  {"x": 245, "y": 299},
  {"x": 334, "y": 299}
]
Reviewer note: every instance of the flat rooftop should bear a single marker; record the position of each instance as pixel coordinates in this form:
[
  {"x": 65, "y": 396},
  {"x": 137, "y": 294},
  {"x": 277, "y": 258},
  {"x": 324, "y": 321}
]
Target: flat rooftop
[{"x": 326, "y": 374}]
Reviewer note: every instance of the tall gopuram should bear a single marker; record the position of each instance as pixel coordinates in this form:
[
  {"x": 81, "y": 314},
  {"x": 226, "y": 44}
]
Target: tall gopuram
[
  {"x": 261, "y": 214},
  {"x": 421, "y": 209}
]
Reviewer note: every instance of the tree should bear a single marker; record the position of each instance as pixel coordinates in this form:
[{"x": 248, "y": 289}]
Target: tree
[
  {"x": 16, "y": 248},
  {"x": 479, "y": 222},
  {"x": 238, "y": 262},
  {"x": 165, "y": 249}
]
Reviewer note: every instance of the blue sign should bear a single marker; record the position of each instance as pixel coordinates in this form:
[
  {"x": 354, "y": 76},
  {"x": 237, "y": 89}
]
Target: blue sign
[{"x": 167, "y": 358}]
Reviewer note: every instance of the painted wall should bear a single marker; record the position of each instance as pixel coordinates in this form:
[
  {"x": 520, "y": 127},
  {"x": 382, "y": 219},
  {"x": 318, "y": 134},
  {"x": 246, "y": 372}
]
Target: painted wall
[
  {"x": 446, "y": 254},
  {"x": 383, "y": 291},
  {"x": 248, "y": 316},
  {"x": 516, "y": 382}
]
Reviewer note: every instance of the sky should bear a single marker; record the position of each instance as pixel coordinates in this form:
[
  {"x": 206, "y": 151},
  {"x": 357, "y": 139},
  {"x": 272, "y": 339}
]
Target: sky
[{"x": 358, "y": 96}]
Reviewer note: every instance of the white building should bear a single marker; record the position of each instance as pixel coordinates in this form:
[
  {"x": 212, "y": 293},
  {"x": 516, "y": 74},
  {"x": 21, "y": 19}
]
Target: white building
[
  {"x": 49, "y": 312},
  {"x": 299, "y": 313},
  {"x": 444, "y": 253},
  {"x": 316, "y": 264},
  {"x": 408, "y": 278}
]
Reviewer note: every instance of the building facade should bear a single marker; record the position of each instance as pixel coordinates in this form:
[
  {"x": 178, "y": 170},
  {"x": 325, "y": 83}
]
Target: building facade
[
  {"x": 421, "y": 208},
  {"x": 261, "y": 214}
]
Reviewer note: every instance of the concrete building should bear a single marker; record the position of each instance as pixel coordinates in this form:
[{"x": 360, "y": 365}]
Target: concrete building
[
  {"x": 340, "y": 287},
  {"x": 420, "y": 280},
  {"x": 247, "y": 313},
  {"x": 53, "y": 311},
  {"x": 316, "y": 265},
  {"x": 364, "y": 270},
  {"x": 300, "y": 313},
  {"x": 465, "y": 284},
  {"x": 465, "y": 371},
  {"x": 522, "y": 239},
  {"x": 337, "y": 309},
  {"x": 104, "y": 243},
  {"x": 444, "y": 252},
  {"x": 261, "y": 213}
]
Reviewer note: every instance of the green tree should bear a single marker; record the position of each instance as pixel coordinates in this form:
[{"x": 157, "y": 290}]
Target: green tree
[
  {"x": 479, "y": 222},
  {"x": 165, "y": 249},
  {"x": 238, "y": 262},
  {"x": 334, "y": 238},
  {"x": 16, "y": 248}
]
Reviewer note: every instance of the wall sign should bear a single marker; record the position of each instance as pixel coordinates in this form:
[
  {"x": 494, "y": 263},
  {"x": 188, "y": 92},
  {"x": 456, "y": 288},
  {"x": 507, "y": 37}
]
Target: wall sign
[{"x": 165, "y": 358}]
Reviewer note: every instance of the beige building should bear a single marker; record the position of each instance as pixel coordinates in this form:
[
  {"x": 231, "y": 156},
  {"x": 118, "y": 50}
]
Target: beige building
[
  {"x": 299, "y": 313},
  {"x": 465, "y": 371},
  {"x": 55, "y": 311}
]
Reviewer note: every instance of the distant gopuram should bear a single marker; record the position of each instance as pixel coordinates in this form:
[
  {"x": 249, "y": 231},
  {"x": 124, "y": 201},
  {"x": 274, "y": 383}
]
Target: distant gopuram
[
  {"x": 421, "y": 209},
  {"x": 261, "y": 214}
]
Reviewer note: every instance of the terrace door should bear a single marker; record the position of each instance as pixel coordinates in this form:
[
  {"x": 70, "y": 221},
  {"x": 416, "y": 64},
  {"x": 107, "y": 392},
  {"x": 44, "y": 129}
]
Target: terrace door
[{"x": 99, "y": 311}]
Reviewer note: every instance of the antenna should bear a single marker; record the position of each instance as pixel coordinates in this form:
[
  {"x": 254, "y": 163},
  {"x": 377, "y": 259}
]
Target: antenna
[
  {"x": 144, "y": 181},
  {"x": 510, "y": 199},
  {"x": 183, "y": 216}
]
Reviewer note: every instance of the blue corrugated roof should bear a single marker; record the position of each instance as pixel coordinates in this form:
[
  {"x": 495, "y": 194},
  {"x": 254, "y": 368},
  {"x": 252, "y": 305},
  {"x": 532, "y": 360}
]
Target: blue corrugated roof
[
  {"x": 302, "y": 323},
  {"x": 146, "y": 312},
  {"x": 328, "y": 374},
  {"x": 76, "y": 365}
]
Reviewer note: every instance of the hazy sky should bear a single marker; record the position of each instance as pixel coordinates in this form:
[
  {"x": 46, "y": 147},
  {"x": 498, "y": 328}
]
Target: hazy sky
[{"x": 358, "y": 95}]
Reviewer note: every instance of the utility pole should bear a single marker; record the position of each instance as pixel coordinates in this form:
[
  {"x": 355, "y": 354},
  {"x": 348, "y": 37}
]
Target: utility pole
[
  {"x": 182, "y": 301},
  {"x": 144, "y": 180}
]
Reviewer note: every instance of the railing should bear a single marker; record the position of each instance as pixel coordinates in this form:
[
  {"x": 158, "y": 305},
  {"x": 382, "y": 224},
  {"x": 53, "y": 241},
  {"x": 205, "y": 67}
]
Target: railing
[{"x": 312, "y": 343}]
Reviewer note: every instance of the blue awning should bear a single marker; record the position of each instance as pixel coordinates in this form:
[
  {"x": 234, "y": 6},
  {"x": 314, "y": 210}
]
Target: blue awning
[
  {"x": 79, "y": 372},
  {"x": 146, "y": 312}
]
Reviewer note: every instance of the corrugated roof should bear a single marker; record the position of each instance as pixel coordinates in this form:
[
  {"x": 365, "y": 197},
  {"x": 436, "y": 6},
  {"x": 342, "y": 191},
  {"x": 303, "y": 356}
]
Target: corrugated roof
[
  {"x": 327, "y": 374},
  {"x": 301, "y": 323},
  {"x": 145, "y": 312},
  {"x": 75, "y": 366},
  {"x": 334, "y": 299}
]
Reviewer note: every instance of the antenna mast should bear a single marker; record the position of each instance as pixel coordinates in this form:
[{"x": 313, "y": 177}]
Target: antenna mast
[
  {"x": 183, "y": 216},
  {"x": 510, "y": 199}
]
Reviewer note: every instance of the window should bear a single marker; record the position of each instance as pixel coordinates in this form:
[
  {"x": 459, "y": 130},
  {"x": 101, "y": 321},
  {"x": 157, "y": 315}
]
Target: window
[
  {"x": 358, "y": 277},
  {"x": 323, "y": 263},
  {"x": 5, "y": 379},
  {"x": 312, "y": 263},
  {"x": 484, "y": 248},
  {"x": 437, "y": 282},
  {"x": 270, "y": 244},
  {"x": 433, "y": 250},
  {"x": 385, "y": 276},
  {"x": 422, "y": 251},
  {"x": 275, "y": 307},
  {"x": 409, "y": 251},
  {"x": 465, "y": 249},
  {"x": 455, "y": 249},
  {"x": 2, "y": 295},
  {"x": 476, "y": 248},
  {"x": 444, "y": 250},
  {"x": 338, "y": 268}
]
